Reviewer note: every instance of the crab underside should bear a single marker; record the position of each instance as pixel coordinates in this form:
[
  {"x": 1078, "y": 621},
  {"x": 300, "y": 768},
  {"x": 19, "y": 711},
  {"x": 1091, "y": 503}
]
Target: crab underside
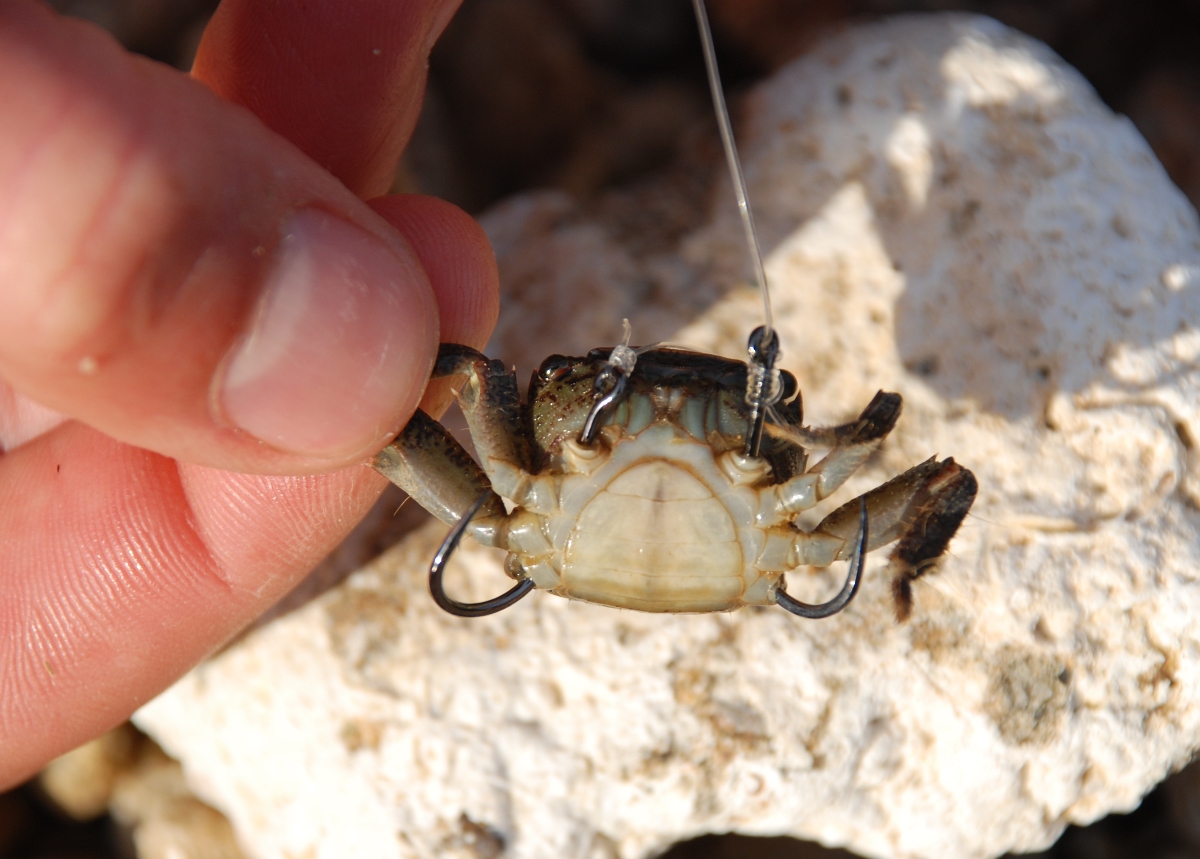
[{"x": 662, "y": 510}]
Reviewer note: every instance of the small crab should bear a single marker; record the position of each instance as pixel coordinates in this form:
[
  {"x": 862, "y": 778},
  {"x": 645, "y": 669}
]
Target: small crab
[{"x": 634, "y": 484}]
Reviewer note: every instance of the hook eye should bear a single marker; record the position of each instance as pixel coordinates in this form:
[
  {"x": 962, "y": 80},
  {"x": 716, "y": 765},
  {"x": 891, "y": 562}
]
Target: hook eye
[
  {"x": 436, "y": 588},
  {"x": 849, "y": 589},
  {"x": 602, "y": 404},
  {"x": 763, "y": 384}
]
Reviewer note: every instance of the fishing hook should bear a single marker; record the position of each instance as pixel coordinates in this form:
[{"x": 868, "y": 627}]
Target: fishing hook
[
  {"x": 461, "y": 609},
  {"x": 610, "y": 385},
  {"x": 849, "y": 589}
]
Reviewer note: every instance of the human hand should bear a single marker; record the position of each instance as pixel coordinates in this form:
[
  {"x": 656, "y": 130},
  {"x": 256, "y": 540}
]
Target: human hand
[{"x": 224, "y": 331}]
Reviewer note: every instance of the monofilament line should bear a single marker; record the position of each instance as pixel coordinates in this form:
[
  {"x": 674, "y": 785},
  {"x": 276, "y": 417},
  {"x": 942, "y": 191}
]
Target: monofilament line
[{"x": 735, "y": 165}]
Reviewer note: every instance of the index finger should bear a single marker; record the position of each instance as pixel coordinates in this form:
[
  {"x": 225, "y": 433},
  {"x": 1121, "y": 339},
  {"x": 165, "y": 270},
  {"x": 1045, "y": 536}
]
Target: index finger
[{"x": 343, "y": 81}]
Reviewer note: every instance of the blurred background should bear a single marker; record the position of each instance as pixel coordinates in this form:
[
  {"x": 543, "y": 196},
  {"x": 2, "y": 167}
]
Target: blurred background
[{"x": 597, "y": 98}]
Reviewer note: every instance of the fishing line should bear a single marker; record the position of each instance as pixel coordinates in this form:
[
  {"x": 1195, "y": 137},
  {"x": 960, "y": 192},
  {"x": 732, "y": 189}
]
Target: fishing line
[
  {"x": 763, "y": 386},
  {"x": 731, "y": 157}
]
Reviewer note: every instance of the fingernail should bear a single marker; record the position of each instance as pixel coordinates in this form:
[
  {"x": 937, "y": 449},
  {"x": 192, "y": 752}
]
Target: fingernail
[{"x": 339, "y": 345}]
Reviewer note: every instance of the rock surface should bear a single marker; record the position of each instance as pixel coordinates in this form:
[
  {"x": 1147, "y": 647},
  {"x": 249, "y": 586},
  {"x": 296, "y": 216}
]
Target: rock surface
[
  {"x": 152, "y": 803},
  {"x": 948, "y": 212}
]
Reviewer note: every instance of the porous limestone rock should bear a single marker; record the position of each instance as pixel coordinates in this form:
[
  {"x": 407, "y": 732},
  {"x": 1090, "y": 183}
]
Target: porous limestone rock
[{"x": 949, "y": 212}]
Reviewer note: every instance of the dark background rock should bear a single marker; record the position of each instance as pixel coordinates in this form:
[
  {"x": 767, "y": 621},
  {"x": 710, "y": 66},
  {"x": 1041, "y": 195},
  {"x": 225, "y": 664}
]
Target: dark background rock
[{"x": 599, "y": 98}]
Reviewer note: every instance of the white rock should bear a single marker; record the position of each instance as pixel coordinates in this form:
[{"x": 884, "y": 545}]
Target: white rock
[{"x": 948, "y": 212}]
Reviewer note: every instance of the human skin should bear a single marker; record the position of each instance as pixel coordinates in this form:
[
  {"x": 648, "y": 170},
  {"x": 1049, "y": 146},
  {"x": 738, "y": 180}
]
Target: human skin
[{"x": 205, "y": 332}]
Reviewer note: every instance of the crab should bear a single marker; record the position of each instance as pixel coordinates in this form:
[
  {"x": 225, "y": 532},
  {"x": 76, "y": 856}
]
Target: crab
[{"x": 644, "y": 495}]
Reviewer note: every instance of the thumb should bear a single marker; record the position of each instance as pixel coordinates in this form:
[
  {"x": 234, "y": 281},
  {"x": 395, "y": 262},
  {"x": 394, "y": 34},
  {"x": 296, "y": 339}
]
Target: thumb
[{"x": 180, "y": 277}]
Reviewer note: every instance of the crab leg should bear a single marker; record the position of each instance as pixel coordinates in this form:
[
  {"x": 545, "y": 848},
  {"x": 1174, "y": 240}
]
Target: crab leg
[
  {"x": 936, "y": 515},
  {"x": 431, "y": 466},
  {"x": 491, "y": 404},
  {"x": 851, "y": 445},
  {"x": 922, "y": 508}
]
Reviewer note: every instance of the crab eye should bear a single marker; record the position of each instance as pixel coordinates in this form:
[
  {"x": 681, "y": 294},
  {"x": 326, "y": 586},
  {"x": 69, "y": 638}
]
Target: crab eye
[{"x": 554, "y": 368}]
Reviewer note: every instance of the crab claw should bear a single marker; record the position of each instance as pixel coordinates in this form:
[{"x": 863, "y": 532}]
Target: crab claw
[{"x": 936, "y": 512}]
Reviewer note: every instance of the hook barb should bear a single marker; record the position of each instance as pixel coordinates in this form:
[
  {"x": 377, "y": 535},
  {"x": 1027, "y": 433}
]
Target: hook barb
[
  {"x": 436, "y": 588},
  {"x": 849, "y": 589}
]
